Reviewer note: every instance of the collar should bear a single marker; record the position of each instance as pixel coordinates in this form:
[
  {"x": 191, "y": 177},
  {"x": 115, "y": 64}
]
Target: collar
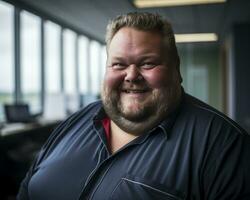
[{"x": 167, "y": 124}]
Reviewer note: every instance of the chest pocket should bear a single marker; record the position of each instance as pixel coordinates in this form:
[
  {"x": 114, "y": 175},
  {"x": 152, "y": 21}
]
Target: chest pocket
[{"x": 134, "y": 188}]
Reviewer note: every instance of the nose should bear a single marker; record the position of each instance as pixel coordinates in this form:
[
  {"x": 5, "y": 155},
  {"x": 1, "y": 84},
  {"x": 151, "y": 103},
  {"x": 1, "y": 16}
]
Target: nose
[{"x": 133, "y": 74}]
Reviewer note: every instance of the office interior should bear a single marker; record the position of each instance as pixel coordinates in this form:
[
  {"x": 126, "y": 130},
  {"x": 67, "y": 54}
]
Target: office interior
[{"x": 52, "y": 60}]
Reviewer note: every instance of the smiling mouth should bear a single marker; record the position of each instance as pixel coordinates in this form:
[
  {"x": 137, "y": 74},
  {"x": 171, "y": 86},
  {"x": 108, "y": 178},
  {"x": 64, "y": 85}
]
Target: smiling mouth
[{"x": 129, "y": 91}]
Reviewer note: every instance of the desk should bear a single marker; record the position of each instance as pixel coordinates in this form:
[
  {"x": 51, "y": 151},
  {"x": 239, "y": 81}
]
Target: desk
[
  {"x": 19, "y": 145},
  {"x": 19, "y": 128}
]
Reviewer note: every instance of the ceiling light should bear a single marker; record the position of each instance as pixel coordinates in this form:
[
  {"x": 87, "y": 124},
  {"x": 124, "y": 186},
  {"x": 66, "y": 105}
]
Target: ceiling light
[
  {"x": 165, "y": 3},
  {"x": 196, "y": 37}
]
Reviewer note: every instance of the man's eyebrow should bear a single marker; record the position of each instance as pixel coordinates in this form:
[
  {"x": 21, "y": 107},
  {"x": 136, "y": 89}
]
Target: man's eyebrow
[
  {"x": 144, "y": 56},
  {"x": 151, "y": 55},
  {"x": 118, "y": 58}
]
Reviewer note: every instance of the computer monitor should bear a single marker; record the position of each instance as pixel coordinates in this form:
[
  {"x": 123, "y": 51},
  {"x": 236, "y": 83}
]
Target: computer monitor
[{"x": 18, "y": 113}]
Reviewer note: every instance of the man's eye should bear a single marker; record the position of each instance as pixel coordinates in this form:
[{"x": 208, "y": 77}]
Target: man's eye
[
  {"x": 148, "y": 65},
  {"x": 118, "y": 66}
]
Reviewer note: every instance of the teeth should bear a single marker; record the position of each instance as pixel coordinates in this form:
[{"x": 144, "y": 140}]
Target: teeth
[{"x": 134, "y": 91}]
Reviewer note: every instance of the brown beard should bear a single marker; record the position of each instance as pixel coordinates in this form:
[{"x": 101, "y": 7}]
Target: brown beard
[
  {"x": 114, "y": 107},
  {"x": 162, "y": 103}
]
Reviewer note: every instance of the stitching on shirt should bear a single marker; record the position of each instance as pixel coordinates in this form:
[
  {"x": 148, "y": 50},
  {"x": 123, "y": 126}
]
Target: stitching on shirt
[
  {"x": 152, "y": 188},
  {"x": 97, "y": 132},
  {"x": 119, "y": 183},
  {"x": 204, "y": 108},
  {"x": 90, "y": 175},
  {"x": 164, "y": 130},
  {"x": 97, "y": 186}
]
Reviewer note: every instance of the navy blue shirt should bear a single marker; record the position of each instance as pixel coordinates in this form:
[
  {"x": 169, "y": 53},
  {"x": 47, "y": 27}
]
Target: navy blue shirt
[{"x": 195, "y": 153}]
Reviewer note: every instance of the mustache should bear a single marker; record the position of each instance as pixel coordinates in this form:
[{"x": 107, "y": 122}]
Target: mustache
[{"x": 131, "y": 86}]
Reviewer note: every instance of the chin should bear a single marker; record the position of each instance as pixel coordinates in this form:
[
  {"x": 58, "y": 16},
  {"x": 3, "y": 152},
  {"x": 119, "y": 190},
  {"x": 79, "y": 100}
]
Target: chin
[
  {"x": 138, "y": 116},
  {"x": 131, "y": 107},
  {"x": 134, "y": 116},
  {"x": 136, "y": 112}
]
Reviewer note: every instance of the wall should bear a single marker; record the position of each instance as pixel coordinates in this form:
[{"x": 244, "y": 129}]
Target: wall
[
  {"x": 201, "y": 72},
  {"x": 239, "y": 74}
]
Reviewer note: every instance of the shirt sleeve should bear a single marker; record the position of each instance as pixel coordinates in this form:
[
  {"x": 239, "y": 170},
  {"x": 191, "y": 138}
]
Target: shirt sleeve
[
  {"x": 56, "y": 134},
  {"x": 48, "y": 147},
  {"x": 23, "y": 189},
  {"x": 228, "y": 176}
]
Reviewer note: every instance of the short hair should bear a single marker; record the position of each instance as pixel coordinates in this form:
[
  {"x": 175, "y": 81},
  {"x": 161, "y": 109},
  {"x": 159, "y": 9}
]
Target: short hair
[{"x": 146, "y": 22}]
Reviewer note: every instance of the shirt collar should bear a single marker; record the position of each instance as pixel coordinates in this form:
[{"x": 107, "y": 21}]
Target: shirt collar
[{"x": 167, "y": 124}]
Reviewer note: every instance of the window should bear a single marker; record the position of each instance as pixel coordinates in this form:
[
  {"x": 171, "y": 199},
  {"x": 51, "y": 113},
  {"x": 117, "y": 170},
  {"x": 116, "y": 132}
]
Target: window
[
  {"x": 83, "y": 60},
  {"x": 103, "y": 61},
  {"x": 52, "y": 58},
  {"x": 95, "y": 56},
  {"x": 6, "y": 55},
  {"x": 31, "y": 60},
  {"x": 70, "y": 73},
  {"x": 69, "y": 59},
  {"x": 73, "y": 65}
]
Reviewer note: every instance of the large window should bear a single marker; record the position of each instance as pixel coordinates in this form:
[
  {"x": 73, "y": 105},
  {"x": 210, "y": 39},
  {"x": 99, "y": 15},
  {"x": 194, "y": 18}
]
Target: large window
[
  {"x": 103, "y": 61},
  {"x": 73, "y": 65},
  {"x": 83, "y": 62},
  {"x": 70, "y": 73},
  {"x": 6, "y": 55},
  {"x": 31, "y": 60},
  {"x": 69, "y": 58},
  {"x": 95, "y": 63},
  {"x": 52, "y": 58}
]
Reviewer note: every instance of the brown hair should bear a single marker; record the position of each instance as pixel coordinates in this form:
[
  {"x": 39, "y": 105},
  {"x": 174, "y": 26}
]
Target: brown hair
[{"x": 146, "y": 22}]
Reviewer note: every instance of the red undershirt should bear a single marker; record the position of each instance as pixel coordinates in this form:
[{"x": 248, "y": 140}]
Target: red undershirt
[{"x": 106, "y": 126}]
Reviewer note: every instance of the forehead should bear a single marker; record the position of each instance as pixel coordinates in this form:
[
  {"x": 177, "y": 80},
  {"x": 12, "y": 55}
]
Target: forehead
[{"x": 133, "y": 40}]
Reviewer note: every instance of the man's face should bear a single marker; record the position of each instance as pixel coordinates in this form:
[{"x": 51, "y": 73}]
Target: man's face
[{"x": 139, "y": 85}]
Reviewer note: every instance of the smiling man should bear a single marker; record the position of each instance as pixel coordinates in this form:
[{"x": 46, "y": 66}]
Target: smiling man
[
  {"x": 141, "y": 85},
  {"x": 147, "y": 139}
]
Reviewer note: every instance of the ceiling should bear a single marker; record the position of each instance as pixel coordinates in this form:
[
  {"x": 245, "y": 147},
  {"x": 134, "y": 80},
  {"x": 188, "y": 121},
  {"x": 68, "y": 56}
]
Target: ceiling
[{"x": 91, "y": 16}]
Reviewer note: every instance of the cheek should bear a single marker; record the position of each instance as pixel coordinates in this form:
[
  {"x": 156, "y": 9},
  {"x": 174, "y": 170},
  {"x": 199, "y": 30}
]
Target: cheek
[
  {"x": 113, "y": 79},
  {"x": 157, "y": 78}
]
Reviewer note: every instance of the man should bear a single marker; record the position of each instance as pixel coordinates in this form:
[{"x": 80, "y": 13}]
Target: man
[{"x": 146, "y": 139}]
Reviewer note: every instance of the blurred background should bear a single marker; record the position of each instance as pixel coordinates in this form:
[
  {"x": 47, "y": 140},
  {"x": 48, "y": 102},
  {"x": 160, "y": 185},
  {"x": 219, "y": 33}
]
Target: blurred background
[{"x": 52, "y": 60}]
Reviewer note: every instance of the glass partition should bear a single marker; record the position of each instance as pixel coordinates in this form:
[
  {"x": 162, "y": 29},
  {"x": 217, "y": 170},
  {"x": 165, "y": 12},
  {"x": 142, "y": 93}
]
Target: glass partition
[{"x": 6, "y": 55}]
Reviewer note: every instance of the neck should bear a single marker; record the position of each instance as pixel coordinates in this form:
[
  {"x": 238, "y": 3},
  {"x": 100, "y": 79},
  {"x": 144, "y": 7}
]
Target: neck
[{"x": 119, "y": 138}]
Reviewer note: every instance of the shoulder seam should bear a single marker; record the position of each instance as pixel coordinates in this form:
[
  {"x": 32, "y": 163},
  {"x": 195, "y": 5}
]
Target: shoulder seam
[{"x": 220, "y": 115}]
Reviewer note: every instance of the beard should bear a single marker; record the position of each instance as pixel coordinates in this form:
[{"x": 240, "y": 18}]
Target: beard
[{"x": 137, "y": 117}]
